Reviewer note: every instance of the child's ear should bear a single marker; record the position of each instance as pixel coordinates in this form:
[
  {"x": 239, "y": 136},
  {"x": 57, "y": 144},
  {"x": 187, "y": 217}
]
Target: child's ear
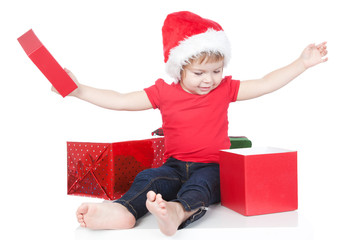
[{"x": 182, "y": 74}]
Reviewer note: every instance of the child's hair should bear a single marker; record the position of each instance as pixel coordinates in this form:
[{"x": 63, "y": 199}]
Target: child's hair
[
  {"x": 203, "y": 57},
  {"x": 207, "y": 57}
]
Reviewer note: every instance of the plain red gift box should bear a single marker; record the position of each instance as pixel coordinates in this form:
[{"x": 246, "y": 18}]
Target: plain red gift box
[
  {"x": 257, "y": 181},
  {"x": 46, "y": 63},
  {"x": 107, "y": 170}
]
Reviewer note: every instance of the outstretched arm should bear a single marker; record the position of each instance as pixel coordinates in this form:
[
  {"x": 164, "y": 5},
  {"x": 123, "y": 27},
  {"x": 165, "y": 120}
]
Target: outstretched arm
[
  {"x": 134, "y": 101},
  {"x": 311, "y": 56}
]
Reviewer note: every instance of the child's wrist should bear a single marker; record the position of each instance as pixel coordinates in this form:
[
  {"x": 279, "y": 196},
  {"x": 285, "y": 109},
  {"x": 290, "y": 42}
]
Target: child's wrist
[
  {"x": 76, "y": 92},
  {"x": 301, "y": 64}
]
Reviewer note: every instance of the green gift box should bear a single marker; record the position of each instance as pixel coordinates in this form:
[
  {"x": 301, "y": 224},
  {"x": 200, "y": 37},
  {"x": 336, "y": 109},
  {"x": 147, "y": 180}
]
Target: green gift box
[{"x": 240, "y": 142}]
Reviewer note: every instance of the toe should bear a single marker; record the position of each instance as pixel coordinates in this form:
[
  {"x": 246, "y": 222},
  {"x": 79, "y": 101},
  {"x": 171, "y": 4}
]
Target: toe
[
  {"x": 80, "y": 218},
  {"x": 83, "y": 209},
  {"x": 159, "y": 198},
  {"x": 151, "y": 196},
  {"x": 162, "y": 205}
]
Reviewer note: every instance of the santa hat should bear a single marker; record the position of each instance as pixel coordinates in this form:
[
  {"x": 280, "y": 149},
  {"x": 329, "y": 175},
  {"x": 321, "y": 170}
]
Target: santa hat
[{"x": 185, "y": 35}]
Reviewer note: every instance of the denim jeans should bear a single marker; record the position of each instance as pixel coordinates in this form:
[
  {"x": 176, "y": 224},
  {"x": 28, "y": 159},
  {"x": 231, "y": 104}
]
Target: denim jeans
[{"x": 194, "y": 185}]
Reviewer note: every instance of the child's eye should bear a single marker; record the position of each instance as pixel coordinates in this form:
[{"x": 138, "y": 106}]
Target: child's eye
[
  {"x": 217, "y": 71},
  {"x": 198, "y": 73}
]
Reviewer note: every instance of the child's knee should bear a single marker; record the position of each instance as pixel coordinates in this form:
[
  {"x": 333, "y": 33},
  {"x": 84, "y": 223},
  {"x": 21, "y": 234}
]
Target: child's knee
[{"x": 147, "y": 175}]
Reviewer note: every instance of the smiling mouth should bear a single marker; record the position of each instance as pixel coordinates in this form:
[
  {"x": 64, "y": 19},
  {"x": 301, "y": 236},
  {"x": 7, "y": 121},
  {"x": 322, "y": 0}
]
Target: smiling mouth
[{"x": 205, "y": 89}]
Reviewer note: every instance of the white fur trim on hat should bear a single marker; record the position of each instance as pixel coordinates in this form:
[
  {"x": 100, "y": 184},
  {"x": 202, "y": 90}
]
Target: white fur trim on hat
[{"x": 210, "y": 41}]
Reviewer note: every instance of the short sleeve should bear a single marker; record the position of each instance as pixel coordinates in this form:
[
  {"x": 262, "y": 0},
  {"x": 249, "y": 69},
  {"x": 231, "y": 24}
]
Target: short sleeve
[
  {"x": 153, "y": 93},
  {"x": 233, "y": 87}
]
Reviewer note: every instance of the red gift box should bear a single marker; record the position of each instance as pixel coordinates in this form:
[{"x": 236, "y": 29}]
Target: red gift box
[
  {"x": 46, "y": 63},
  {"x": 107, "y": 170},
  {"x": 258, "y": 181}
]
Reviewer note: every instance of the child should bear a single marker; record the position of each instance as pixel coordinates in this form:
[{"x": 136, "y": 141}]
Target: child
[{"x": 195, "y": 123}]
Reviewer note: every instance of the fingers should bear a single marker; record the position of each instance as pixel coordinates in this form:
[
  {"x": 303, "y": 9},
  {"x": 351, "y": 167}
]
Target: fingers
[
  {"x": 324, "y": 60},
  {"x": 72, "y": 76},
  {"x": 54, "y": 90},
  {"x": 69, "y": 73},
  {"x": 321, "y": 45},
  {"x": 323, "y": 53},
  {"x": 322, "y": 49}
]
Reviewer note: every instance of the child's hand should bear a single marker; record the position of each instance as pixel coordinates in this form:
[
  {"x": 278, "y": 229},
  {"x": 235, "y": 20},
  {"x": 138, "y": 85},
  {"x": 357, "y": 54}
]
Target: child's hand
[
  {"x": 314, "y": 54},
  {"x": 72, "y": 76}
]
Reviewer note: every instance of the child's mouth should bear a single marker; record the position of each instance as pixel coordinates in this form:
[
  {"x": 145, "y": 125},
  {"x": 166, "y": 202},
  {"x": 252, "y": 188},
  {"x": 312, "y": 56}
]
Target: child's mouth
[{"x": 205, "y": 89}]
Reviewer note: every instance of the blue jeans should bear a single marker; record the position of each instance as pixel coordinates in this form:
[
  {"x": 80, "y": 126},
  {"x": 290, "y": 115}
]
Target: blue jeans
[{"x": 194, "y": 185}]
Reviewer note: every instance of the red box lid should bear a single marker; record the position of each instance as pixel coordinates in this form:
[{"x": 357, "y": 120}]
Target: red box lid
[{"x": 47, "y": 63}]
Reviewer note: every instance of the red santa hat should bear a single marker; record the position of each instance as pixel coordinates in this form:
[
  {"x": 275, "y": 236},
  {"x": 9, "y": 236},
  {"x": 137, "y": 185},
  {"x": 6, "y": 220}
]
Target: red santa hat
[{"x": 186, "y": 35}]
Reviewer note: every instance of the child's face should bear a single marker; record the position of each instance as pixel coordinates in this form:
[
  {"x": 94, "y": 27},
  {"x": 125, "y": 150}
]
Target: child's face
[{"x": 202, "y": 78}]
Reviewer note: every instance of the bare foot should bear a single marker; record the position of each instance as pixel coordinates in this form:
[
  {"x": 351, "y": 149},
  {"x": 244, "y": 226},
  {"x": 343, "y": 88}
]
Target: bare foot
[
  {"x": 169, "y": 215},
  {"x": 104, "y": 216}
]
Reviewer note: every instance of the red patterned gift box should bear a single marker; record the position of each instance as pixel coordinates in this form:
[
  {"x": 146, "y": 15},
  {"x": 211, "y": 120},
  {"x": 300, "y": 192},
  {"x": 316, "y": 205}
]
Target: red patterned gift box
[{"x": 107, "y": 170}]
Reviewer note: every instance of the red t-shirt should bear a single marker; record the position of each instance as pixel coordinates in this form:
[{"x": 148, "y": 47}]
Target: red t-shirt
[{"x": 195, "y": 126}]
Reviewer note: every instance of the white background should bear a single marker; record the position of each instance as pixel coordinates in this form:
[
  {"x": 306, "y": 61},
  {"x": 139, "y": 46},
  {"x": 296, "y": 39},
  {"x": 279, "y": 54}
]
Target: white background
[{"x": 118, "y": 45}]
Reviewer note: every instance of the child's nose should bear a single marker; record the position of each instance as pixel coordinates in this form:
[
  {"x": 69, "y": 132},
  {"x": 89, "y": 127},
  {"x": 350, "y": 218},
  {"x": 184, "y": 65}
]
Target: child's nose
[{"x": 208, "y": 78}]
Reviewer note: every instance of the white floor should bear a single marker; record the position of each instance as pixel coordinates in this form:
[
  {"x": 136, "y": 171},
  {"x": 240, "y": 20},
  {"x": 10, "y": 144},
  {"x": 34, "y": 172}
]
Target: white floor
[{"x": 219, "y": 223}]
